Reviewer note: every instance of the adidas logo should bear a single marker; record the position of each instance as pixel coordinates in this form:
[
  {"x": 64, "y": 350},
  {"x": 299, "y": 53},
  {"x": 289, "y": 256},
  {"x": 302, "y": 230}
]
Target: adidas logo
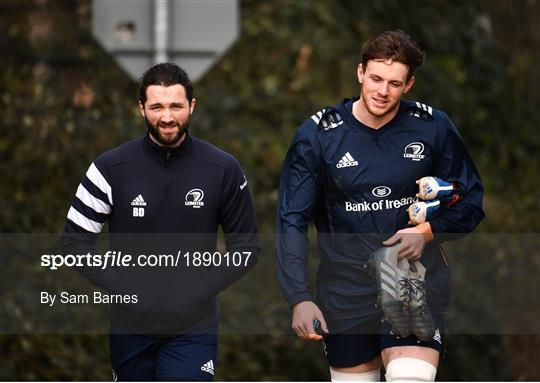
[
  {"x": 208, "y": 367},
  {"x": 138, "y": 201},
  {"x": 437, "y": 336},
  {"x": 347, "y": 161}
]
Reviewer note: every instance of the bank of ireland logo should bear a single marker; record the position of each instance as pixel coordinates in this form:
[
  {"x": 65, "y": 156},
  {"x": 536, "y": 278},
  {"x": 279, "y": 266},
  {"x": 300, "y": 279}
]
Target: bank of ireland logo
[
  {"x": 381, "y": 191},
  {"x": 194, "y": 198},
  {"x": 414, "y": 151}
]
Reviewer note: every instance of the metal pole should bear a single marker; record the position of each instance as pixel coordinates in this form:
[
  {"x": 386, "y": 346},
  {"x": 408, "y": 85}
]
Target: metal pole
[{"x": 161, "y": 30}]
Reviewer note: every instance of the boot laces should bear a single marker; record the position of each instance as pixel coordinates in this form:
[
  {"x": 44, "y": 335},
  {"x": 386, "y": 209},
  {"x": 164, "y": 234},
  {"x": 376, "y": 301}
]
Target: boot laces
[
  {"x": 404, "y": 288},
  {"x": 418, "y": 288}
]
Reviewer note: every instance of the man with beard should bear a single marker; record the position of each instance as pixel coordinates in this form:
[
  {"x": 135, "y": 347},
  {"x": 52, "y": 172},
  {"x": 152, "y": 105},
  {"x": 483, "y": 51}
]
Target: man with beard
[
  {"x": 354, "y": 170},
  {"x": 165, "y": 193}
]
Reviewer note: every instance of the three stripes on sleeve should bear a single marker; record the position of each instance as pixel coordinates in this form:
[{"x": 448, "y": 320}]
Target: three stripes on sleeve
[{"x": 93, "y": 201}]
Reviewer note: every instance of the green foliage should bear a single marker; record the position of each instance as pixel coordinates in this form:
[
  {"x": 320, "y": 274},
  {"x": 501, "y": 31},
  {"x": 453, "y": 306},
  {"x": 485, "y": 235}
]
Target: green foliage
[
  {"x": 64, "y": 101},
  {"x": 54, "y": 101}
]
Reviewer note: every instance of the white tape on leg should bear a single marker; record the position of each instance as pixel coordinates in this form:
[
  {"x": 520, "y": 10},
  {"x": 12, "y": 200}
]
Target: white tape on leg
[{"x": 410, "y": 370}]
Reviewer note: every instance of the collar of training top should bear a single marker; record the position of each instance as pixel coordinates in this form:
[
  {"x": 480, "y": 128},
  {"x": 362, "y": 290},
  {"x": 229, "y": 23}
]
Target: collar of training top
[{"x": 165, "y": 154}]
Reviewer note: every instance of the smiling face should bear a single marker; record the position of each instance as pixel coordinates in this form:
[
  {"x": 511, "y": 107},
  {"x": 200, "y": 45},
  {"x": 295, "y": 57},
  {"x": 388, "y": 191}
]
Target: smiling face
[
  {"x": 383, "y": 82},
  {"x": 167, "y": 112}
]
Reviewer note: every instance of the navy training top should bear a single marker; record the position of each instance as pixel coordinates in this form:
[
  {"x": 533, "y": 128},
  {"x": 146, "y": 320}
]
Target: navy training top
[
  {"x": 356, "y": 183},
  {"x": 160, "y": 200}
]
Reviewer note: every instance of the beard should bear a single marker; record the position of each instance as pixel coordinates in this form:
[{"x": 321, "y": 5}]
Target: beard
[
  {"x": 169, "y": 140},
  {"x": 378, "y": 112}
]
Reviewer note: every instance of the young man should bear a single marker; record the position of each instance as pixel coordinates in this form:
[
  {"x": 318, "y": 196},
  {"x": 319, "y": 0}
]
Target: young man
[
  {"x": 353, "y": 170},
  {"x": 165, "y": 193}
]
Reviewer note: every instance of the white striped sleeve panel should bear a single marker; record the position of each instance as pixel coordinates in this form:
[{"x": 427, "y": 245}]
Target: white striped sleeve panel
[
  {"x": 82, "y": 221},
  {"x": 97, "y": 179},
  {"x": 92, "y": 202}
]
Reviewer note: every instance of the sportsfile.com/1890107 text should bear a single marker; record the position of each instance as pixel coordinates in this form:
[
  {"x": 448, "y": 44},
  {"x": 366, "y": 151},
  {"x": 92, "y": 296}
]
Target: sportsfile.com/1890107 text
[{"x": 117, "y": 259}]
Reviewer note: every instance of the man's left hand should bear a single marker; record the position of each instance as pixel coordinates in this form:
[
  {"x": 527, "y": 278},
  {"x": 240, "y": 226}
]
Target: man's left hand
[{"x": 411, "y": 241}]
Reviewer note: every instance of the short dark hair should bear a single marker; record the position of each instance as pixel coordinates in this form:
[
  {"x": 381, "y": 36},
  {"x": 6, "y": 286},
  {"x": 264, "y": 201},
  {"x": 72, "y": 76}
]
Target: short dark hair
[
  {"x": 165, "y": 74},
  {"x": 397, "y": 46}
]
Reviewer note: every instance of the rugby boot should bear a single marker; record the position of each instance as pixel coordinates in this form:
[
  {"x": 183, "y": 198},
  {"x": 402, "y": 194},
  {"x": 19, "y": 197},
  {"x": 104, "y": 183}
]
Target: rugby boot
[
  {"x": 393, "y": 289},
  {"x": 422, "y": 324}
]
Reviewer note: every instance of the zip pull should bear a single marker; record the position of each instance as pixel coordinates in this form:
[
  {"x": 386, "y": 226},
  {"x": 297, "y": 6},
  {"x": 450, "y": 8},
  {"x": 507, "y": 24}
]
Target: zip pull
[{"x": 168, "y": 156}]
